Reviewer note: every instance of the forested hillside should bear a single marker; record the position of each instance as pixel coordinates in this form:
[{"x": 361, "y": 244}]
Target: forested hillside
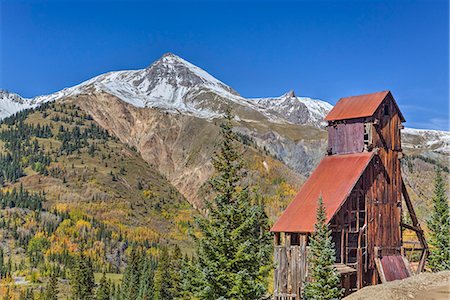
[
  {"x": 69, "y": 187},
  {"x": 68, "y": 184}
]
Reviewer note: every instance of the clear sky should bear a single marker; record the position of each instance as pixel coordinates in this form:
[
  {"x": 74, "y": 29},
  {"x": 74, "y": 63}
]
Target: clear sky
[{"x": 321, "y": 49}]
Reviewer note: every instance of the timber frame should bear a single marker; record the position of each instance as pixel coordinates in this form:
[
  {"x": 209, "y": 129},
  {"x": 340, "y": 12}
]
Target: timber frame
[
  {"x": 417, "y": 229},
  {"x": 363, "y": 191}
]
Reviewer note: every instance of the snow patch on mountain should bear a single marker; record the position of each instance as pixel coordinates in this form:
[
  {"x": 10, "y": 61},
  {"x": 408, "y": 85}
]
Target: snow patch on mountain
[
  {"x": 436, "y": 140},
  {"x": 297, "y": 110},
  {"x": 11, "y": 103},
  {"x": 174, "y": 84}
]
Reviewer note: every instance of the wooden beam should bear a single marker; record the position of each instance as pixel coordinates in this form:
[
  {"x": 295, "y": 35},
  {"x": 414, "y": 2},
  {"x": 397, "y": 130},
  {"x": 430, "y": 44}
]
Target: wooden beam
[
  {"x": 418, "y": 229},
  {"x": 359, "y": 274},
  {"x": 410, "y": 227},
  {"x": 379, "y": 267}
]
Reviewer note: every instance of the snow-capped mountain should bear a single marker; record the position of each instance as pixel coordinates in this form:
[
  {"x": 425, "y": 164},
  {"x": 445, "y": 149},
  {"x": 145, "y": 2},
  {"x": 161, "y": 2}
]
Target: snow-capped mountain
[
  {"x": 173, "y": 84},
  {"x": 11, "y": 103},
  {"x": 435, "y": 140},
  {"x": 297, "y": 110}
]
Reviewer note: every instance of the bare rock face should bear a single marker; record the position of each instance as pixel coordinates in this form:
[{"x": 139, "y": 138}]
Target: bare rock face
[
  {"x": 179, "y": 146},
  {"x": 170, "y": 111}
]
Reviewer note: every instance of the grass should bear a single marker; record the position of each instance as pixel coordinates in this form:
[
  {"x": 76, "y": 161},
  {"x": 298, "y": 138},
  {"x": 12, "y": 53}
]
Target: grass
[{"x": 115, "y": 278}]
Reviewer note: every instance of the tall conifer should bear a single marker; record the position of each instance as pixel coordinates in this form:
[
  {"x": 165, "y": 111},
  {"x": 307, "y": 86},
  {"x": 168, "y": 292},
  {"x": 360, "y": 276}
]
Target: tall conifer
[
  {"x": 51, "y": 290},
  {"x": 146, "y": 282},
  {"x": 234, "y": 248},
  {"x": 103, "y": 291},
  {"x": 130, "y": 281},
  {"x": 325, "y": 281},
  {"x": 82, "y": 278},
  {"x": 439, "y": 225},
  {"x": 163, "y": 280}
]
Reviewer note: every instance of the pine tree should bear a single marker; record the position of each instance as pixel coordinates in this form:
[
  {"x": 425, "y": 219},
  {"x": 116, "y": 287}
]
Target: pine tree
[
  {"x": 51, "y": 290},
  {"x": 146, "y": 284},
  {"x": 2, "y": 264},
  {"x": 190, "y": 280},
  {"x": 130, "y": 281},
  {"x": 163, "y": 280},
  {"x": 26, "y": 294},
  {"x": 325, "y": 281},
  {"x": 82, "y": 278},
  {"x": 234, "y": 251},
  {"x": 439, "y": 225},
  {"x": 103, "y": 291},
  {"x": 176, "y": 269}
]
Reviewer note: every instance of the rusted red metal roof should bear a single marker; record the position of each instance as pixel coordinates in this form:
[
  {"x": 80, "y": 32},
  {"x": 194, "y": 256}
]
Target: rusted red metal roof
[
  {"x": 359, "y": 106},
  {"x": 333, "y": 179}
]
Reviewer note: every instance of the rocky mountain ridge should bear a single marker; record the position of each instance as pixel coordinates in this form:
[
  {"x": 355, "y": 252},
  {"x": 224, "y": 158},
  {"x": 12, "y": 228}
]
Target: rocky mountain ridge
[
  {"x": 171, "y": 113},
  {"x": 175, "y": 85}
]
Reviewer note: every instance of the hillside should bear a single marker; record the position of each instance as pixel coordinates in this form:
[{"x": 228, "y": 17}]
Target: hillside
[
  {"x": 170, "y": 112},
  {"x": 59, "y": 151},
  {"x": 124, "y": 159}
]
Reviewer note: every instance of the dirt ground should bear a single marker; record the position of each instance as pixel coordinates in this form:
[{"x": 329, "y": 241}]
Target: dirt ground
[{"x": 425, "y": 286}]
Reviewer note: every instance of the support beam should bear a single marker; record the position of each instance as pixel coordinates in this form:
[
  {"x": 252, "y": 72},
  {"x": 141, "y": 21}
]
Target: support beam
[
  {"x": 416, "y": 227},
  {"x": 413, "y": 228}
]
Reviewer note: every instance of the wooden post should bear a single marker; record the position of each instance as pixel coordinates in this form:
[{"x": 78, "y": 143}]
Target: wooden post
[
  {"x": 417, "y": 229},
  {"x": 379, "y": 269},
  {"x": 359, "y": 271},
  {"x": 276, "y": 273},
  {"x": 288, "y": 263}
]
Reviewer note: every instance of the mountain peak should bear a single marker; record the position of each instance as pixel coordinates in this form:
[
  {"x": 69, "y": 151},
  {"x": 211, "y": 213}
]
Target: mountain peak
[
  {"x": 173, "y": 59},
  {"x": 169, "y": 56},
  {"x": 289, "y": 94}
]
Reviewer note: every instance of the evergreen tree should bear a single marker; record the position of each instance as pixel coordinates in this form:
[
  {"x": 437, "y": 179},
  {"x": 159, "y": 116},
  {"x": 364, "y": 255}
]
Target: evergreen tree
[
  {"x": 26, "y": 294},
  {"x": 130, "y": 281},
  {"x": 176, "y": 262},
  {"x": 51, "y": 290},
  {"x": 325, "y": 281},
  {"x": 439, "y": 225},
  {"x": 234, "y": 249},
  {"x": 82, "y": 278},
  {"x": 146, "y": 285},
  {"x": 191, "y": 282},
  {"x": 163, "y": 280},
  {"x": 103, "y": 291},
  {"x": 2, "y": 264},
  {"x": 118, "y": 292}
]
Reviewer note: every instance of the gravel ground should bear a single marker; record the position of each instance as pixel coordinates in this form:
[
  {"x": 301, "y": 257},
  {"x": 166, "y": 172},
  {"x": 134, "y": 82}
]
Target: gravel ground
[{"x": 425, "y": 286}]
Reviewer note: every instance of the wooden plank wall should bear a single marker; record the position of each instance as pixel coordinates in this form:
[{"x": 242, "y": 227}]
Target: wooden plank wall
[
  {"x": 290, "y": 269},
  {"x": 346, "y": 137},
  {"x": 383, "y": 180}
]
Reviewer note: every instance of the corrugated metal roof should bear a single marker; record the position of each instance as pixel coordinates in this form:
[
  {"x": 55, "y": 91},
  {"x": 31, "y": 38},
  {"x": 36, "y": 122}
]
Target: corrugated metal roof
[
  {"x": 359, "y": 106},
  {"x": 333, "y": 179}
]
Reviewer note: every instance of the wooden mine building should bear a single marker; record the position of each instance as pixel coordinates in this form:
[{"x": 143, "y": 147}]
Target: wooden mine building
[{"x": 361, "y": 185}]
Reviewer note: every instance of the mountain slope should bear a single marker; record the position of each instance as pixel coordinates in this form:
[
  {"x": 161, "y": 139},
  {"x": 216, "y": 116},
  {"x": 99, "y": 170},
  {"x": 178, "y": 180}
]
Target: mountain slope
[
  {"x": 173, "y": 84},
  {"x": 297, "y": 110},
  {"x": 171, "y": 113},
  {"x": 181, "y": 146},
  {"x": 79, "y": 165}
]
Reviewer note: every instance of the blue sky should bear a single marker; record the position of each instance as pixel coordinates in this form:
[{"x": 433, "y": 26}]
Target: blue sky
[{"x": 322, "y": 49}]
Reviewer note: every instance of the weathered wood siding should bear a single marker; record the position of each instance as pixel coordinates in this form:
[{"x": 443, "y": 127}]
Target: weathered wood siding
[
  {"x": 346, "y": 137},
  {"x": 381, "y": 185},
  {"x": 290, "y": 270}
]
